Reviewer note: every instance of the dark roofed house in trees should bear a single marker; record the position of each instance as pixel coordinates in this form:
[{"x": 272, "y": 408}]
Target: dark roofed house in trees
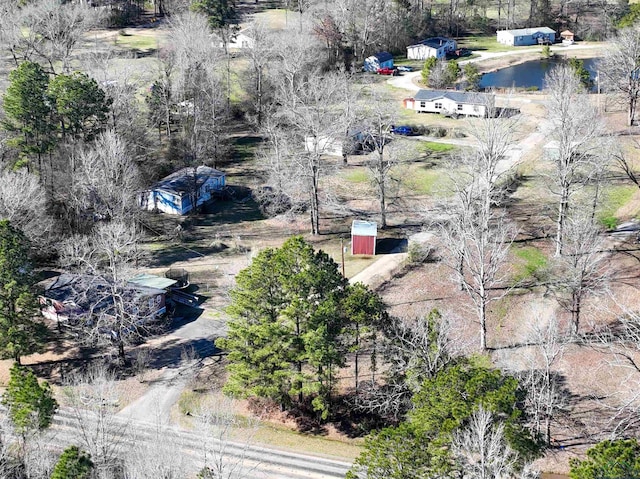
[
  {"x": 70, "y": 297},
  {"x": 363, "y": 237},
  {"x": 180, "y": 191}
]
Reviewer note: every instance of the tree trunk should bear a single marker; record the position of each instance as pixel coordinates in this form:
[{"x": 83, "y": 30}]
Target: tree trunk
[
  {"x": 356, "y": 355},
  {"x": 562, "y": 214},
  {"x": 121, "y": 353},
  {"x": 483, "y": 323},
  {"x": 314, "y": 207},
  {"x": 575, "y": 311}
]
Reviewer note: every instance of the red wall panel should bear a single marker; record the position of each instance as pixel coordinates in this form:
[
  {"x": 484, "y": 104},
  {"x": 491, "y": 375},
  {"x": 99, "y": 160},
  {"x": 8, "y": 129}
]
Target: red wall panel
[{"x": 363, "y": 245}]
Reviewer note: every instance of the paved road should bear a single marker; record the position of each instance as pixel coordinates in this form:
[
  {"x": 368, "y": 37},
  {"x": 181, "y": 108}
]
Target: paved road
[
  {"x": 255, "y": 462},
  {"x": 408, "y": 81}
]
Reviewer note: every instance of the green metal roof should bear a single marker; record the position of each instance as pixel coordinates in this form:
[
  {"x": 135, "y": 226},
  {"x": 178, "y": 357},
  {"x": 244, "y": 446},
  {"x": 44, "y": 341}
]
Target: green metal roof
[{"x": 152, "y": 281}]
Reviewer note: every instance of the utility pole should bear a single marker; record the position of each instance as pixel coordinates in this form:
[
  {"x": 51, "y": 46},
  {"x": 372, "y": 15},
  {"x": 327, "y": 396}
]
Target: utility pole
[{"x": 342, "y": 253}]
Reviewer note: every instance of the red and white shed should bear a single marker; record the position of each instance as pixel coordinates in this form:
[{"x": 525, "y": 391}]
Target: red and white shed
[{"x": 363, "y": 237}]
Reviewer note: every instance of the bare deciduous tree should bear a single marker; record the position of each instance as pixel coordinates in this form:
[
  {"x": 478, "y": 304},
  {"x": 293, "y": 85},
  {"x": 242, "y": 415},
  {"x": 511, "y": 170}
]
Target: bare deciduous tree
[
  {"x": 582, "y": 269},
  {"x": 315, "y": 122},
  {"x": 478, "y": 239},
  {"x": 198, "y": 89},
  {"x": 58, "y": 27},
  {"x": 619, "y": 68},
  {"x": 23, "y": 202},
  {"x": 413, "y": 350},
  {"x": 359, "y": 20},
  {"x": 482, "y": 451},
  {"x": 576, "y": 128},
  {"x": 159, "y": 456},
  {"x": 260, "y": 58},
  {"x": 378, "y": 119},
  {"x": 545, "y": 394},
  {"x": 105, "y": 181},
  {"x": 224, "y": 459},
  {"x": 93, "y": 399},
  {"x": 38, "y": 460},
  {"x": 113, "y": 311}
]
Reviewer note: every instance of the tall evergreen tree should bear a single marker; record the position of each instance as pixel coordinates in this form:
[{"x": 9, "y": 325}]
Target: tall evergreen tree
[
  {"x": 20, "y": 333},
  {"x": 31, "y": 405},
  {"x": 420, "y": 446},
  {"x": 289, "y": 316},
  {"x": 609, "y": 460},
  {"x": 28, "y": 111},
  {"x": 80, "y": 105}
]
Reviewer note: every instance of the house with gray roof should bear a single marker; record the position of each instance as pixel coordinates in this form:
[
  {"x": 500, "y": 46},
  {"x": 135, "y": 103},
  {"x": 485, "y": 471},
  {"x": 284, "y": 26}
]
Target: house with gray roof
[
  {"x": 183, "y": 190},
  {"x": 451, "y": 103},
  {"x": 437, "y": 47},
  {"x": 379, "y": 60},
  {"x": 84, "y": 298},
  {"x": 527, "y": 36}
]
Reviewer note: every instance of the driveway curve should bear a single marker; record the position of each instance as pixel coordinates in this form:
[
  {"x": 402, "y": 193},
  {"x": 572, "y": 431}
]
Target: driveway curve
[{"x": 409, "y": 81}]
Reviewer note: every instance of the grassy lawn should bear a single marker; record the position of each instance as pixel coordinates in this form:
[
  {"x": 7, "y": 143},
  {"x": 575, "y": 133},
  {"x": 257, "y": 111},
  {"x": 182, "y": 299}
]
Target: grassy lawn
[
  {"x": 615, "y": 198},
  {"x": 532, "y": 261},
  {"x": 263, "y": 432},
  {"x": 356, "y": 176},
  {"x": 434, "y": 147},
  {"x": 280, "y": 436},
  {"x": 278, "y": 18},
  {"x": 428, "y": 181},
  {"x": 488, "y": 44},
  {"x": 137, "y": 42},
  {"x": 352, "y": 264}
]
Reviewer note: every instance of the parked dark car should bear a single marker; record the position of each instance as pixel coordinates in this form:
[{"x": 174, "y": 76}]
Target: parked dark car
[{"x": 403, "y": 130}]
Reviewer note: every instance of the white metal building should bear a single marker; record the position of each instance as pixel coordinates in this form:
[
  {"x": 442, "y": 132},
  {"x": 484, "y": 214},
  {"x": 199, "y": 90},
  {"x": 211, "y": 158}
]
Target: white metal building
[{"x": 526, "y": 36}]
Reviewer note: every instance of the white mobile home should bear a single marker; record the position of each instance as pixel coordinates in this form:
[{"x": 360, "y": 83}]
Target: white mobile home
[
  {"x": 526, "y": 36},
  {"x": 347, "y": 145},
  {"x": 179, "y": 192},
  {"x": 437, "y": 47},
  {"x": 453, "y": 103}
]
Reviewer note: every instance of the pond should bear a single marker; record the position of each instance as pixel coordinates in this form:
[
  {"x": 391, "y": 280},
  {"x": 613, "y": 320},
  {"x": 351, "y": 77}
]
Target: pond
[{"x": 526, "y": 75}]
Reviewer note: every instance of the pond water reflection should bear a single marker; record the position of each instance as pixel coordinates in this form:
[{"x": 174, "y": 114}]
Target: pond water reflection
[{"x": 526, "y": 75}]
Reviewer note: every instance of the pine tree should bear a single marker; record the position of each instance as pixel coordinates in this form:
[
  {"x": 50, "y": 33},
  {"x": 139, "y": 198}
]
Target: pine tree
[
  {"x": 19, "y": 333},
  {"x": 73, "y": 464},
  {"x": 31, "y": 405},
  {"x": 286, "y": 335},
  {"x": 28, "y": 110},
  {"x": 80, "y": 105}
]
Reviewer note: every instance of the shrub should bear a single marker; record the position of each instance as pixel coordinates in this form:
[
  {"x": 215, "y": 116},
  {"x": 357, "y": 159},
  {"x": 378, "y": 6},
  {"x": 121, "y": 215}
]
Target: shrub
[
  {"x": 439, "y": 132},
  {"x": 419, "y": 253}
]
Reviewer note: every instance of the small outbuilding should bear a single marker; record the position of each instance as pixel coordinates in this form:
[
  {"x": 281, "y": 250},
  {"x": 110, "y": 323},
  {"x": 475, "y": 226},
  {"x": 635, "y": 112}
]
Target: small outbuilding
[
  {"x": 363, "y": 237},
  {"x": 379, "y": 60},
  {"x": 526, "y": 36},
  {"x": 567, "y": 37}
]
